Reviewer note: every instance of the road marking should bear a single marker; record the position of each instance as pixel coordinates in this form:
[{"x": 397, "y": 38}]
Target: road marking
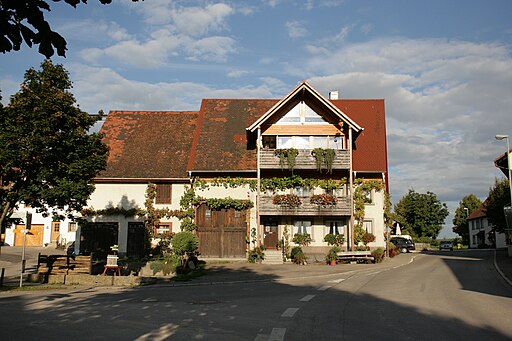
[
  {"x": 337, "y": 281},
  {"x": 325, "y": 287},
  {"x": 307, "y": 298},
  {"x": 277, "y": 334},
  {"x": 290, "y": 312}
]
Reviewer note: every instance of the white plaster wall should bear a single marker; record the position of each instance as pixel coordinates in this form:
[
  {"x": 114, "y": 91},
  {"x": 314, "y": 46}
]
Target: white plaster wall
[
  {"x": 66, "y": 236},
  {"x": 375, "y": 212}
]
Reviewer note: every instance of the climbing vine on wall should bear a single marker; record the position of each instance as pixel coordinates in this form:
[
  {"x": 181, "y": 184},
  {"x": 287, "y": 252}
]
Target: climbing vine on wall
[{"x": 362, "y": 188}]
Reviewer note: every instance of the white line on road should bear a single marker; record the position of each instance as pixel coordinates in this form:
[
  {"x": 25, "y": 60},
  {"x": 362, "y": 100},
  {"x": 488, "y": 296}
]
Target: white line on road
[
  {"x": 277, "y": 334},
  {"x": 290, "y": 312},
  {"x": 307, "y": 298},
  {"x": 325, "y": 287},
  {"x": 337, "y": 281}
]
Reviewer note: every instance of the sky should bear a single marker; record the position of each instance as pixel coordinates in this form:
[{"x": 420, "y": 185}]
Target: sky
[{"x": 444, "y": 69}]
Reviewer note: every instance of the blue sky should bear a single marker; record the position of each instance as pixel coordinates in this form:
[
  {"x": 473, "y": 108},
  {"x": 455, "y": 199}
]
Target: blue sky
[{"x": 444, "y": 69}]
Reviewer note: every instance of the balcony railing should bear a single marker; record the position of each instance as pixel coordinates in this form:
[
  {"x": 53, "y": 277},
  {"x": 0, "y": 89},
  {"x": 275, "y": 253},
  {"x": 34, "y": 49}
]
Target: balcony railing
[
  {"x": 342, "y": 207},
  {"x": 304, "y": 160}
]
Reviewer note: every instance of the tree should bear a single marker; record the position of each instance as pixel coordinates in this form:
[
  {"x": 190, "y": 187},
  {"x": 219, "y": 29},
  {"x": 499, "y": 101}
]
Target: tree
[
  {"x": 421, "y": 215},
  {"x": 499, "y": 197},
  {"x": 16, "y": 14},
  {"x": 47, "y": 157},
  {"x": 467, "y": 205}
]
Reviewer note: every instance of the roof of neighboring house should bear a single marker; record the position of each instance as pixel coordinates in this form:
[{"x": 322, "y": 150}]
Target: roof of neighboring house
[
  {"x": 501, "y": 162},
  {"x": 169, "y": 144},
  {"x": 478, "y": 213},
  {"x": 145, "y": 144}
]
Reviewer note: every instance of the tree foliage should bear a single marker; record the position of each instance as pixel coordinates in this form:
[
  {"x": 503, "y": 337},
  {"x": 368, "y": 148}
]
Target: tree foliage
[
  {"x": 24, "y": 21},
  {"x": 467, "y": 205},
  {"x": 499, "y": 197},
  {"x": 47, "y": 157},
  {"x": 422, "y": 215}
]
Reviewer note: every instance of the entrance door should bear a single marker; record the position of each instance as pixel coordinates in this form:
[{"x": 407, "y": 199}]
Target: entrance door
[
  {"x": 271, "y": 238},
  {"x": 135, "y": 244},
  {"x": 34, "y": 236},
  {"x": 55, "y": 231}
]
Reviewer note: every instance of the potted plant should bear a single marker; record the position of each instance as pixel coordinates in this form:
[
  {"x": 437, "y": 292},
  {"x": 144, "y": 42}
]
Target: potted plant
[
  {"x": 334, "y": 239},
  {"x": 324, "y": 200},
  {"x": 332, "y": 255},
  {"x": 287, "y": 200}
]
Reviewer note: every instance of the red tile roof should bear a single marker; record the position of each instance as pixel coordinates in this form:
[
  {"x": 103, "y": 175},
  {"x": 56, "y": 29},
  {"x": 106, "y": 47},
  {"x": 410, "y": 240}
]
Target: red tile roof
[
  {"x": 478, "y": 213},
  {"x": 370, "y": 152},
  {"x": 169, "y": 144},
  {"x": 148, "y": 145}
]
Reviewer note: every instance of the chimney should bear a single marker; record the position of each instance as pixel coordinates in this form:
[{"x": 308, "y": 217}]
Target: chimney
[{"x": 333, "y": 95}]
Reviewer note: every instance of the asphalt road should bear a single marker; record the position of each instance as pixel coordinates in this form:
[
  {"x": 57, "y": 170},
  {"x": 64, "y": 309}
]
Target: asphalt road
[{"x": 437, "y": 296}]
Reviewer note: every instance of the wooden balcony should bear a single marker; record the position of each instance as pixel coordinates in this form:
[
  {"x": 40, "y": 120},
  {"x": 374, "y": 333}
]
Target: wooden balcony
[
  {"x": 268, "y": 160},
  {"x": 342, "y": 208}
]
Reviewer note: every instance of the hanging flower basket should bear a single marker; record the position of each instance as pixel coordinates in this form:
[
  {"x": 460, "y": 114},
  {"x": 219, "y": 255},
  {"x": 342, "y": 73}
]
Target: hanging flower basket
[
  {"x": 324, "y": 200},
  {"x": 287, "y": 200}
]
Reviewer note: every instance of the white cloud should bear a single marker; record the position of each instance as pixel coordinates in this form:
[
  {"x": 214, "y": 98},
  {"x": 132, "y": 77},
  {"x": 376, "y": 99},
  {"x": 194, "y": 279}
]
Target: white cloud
[
  {"x": 197, "y": 21},
  {"x": 211, "y": 48},
  {"x": 237, "y": 73},
  {"x": 296, "y": 29}
]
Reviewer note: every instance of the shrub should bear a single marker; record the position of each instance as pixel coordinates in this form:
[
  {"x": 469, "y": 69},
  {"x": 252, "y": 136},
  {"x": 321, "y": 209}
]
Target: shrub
[
  {"x": 334, "y": 239},
  {"x": 167, "y": 265},
  {"x": 303, "y": 239},
  {"x": 184, "y": 242},
  {"x": 298, "y": 256},
  {"x": 378, "y": 255},
  {"x": 368, "y": 238},
  {"x": 256, "y": 255},
  {"x": 392, "y": 250}
]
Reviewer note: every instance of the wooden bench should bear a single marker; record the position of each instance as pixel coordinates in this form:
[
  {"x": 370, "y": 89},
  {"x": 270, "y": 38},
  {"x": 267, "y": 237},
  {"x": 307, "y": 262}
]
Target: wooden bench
[{"x": 365, "y": 256}]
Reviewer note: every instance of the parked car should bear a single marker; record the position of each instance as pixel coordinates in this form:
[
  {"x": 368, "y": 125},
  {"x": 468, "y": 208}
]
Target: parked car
[
  {"x": 446, "y": 245},
  {"x": 403, "y": 244}
]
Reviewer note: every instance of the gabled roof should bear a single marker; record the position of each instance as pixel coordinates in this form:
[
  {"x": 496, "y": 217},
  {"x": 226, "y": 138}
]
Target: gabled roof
[
  {"x": 304, "y": 92},
  {"x": 167, "y": 145},
  {"x": 478, "y": 213},
  {"x": 148, "y": 145},
  {"x": 501, "y": 162}
]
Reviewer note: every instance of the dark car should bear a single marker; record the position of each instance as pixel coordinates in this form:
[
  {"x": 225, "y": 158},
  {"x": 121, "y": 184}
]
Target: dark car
[
  {"x": 403, "y": 244},
  {"x": 446, "y": 245}
]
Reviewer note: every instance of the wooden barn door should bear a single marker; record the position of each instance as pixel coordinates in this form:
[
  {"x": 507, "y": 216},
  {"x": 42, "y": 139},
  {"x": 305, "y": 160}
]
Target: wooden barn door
[{"x": 221, "y": 232}]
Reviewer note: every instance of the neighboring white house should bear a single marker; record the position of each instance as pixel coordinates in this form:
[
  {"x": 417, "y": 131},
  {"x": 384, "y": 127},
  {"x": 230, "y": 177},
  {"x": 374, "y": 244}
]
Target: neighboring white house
[{"x": 481, "y": 233}]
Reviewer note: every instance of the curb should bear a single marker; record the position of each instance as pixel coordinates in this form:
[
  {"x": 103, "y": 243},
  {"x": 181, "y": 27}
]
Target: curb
[{"x": 501, "y": 272}]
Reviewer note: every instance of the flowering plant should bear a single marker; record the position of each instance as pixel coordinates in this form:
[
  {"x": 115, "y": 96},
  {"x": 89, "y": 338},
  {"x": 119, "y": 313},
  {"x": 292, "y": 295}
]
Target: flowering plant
[
  {"x": 287, "y": 200},
  {"x": 324, "y": 199}
]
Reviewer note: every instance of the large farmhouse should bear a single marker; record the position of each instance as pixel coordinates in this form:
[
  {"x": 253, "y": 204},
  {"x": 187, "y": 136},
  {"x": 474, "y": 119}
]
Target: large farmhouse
[{"x": 244, "y": 172}]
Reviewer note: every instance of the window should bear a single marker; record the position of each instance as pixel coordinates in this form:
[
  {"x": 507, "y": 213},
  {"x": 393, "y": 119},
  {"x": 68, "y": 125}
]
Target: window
[
  {"x": 368, "y": 197},
  {"x": 163, "y": 194},
  {"x": 72, "y": 227},
  {"x": 238, "y": 214},
  {"x": 208, "y": 213},
  {"x": 56, "y": 227},
  {"x": 269, "y": 141},
  {"x": 368, "y": 226},
  {"x": 301, "y": 191},
  {"x": 300, "y": 114},
  {"x": 478, "y": 224},
  {"x": 302, "y": 226},
  {"x": 305, "y": 142},
  {"x": 164, "y": 228},
  {"x": 335, "y": 227}
]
